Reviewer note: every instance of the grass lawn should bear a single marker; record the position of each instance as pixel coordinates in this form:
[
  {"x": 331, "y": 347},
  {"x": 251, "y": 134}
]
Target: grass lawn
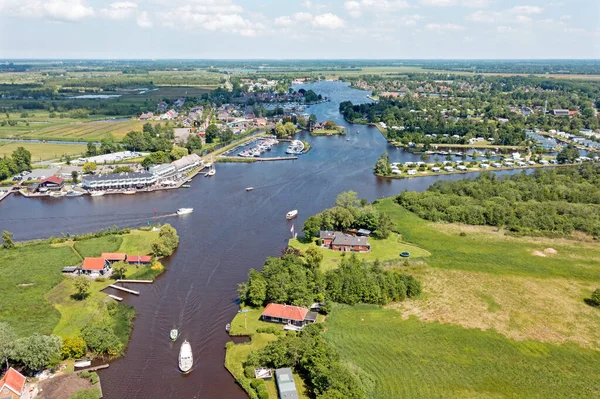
[
  {"x": 383, "y": 250},
  {"x": 26, "y": 274},
  {"x": 138, "y": 241},
  {"x": 483, "y": 249},
  {"x": 247, "y": 323},
  {"x": 43, "y": 151},
  {"x": 94, "y": 247},
  {"x": 413, "y": 359}
]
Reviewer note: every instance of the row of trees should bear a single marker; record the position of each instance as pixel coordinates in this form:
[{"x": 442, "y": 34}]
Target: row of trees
[
  {"x": 559, "y": 200},
  {"x": 296, "y": 279},
  {"x": 19, "y": 161},
  {"x": 283, "y": 130},
  {"x": 349, "y": 212},
  {"x": 34, "y": 352},
  {"x": 166, "y": 242}
]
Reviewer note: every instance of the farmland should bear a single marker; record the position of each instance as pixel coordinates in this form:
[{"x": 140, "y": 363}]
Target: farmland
[{"x": 43, "y": 151}]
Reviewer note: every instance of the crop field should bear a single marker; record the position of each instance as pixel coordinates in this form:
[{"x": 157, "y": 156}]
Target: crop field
[
  {"x": 43, "y": 151},
  {"x": 74, "y": 131},
  {"x": 414, "y": 359}
]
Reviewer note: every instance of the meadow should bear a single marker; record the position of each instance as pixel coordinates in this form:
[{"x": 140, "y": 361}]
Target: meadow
[
  {"x": 43, "y": 151},
  {"x": 415, "y": 359}
]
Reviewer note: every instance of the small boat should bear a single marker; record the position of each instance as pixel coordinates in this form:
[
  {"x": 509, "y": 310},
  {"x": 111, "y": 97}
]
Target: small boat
[
  {"x": 174, "y": 334},
  {"x": 97, "y": 193},
  {"x": 347, "y": 139},
  {"x": 83, "y": 363},
  {"x": 208, "y": 164},
  {"x": 211, "y": 172},
  {"x": 227, "y": 327},
  {"x": 74, "y": 193},
  {"x": 186, "y": 359},
  {"x": 57, "y": 194},
  {"x": 291, "y": 214},
  {"x": 129, "y": 192},
  {"x": 184, "y": 211},
  {"x": 185, "y": 186},
  {"x": 249, "y": 188}
]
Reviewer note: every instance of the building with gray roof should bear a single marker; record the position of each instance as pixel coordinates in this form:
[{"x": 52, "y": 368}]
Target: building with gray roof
[{"x": 285, "y": 384}]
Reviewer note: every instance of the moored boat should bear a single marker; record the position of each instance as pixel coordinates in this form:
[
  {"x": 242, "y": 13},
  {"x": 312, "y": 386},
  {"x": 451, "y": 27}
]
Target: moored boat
[
  {"x": 129, "y": 192},
  {"x": 186, "y": 359},
  {"x": 227, "y": 327},
  {"x": 97, "y": 193},
  {"x": 174, "y": 334},
  {"x": 83, "y": 363},
  {"x": 74, "y": 193},
  {"x": 291, "y": 214},
  {"x": 184, "y": 211},
  {"x": 249, "y": 188},
  {"x": 211, "y": 172}
]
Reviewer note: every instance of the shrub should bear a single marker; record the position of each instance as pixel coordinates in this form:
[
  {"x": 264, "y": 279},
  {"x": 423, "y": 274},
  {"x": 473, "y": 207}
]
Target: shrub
[
  {"x": 229, "y": 344},
  {"x": 91, "y": 376},
  {"x": 249, "y": 371},
  {"x": 263, "y": 395},
  {"x": 256, "y": 383},
  {"x": 595, "y": 299},
  {"x": 101, "y": 339},
  {"x": 73, "y": 348}
]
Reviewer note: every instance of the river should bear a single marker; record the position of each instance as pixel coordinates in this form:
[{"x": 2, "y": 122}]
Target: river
[{"x": 230, "y": 231}]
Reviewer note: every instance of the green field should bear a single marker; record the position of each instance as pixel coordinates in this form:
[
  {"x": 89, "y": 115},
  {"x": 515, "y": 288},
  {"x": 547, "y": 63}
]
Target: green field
[
  {"x": 43, "y": 151},
  {"x": 383, "y": 250},
  {"x": 414, "y": 359}
]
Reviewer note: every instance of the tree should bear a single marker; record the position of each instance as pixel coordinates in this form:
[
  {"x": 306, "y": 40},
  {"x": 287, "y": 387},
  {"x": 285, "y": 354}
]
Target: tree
[
  {"x": 194, "y": 143},
  {"x": 178, "y": 152},
  {"x": 136, "y": 141},
  {"x": 123, "y": 169},
  {"x": 330, "y": 125},
  {"x": 7, "y": 239},
  {"x": 257, "y": 289},
  {"x": 313, "y": 257},
  {"x": 280, "y": 131},
  {"x": 568, "y": 153},
  {"x": 7, "y": 342},
  {"x": 22, "y": 159},
  {"x": 383, "y": 166},
  {"x": 212, "y": 131},
  {"x": 347, "y": 199},
  {"x": 91, "y": 149},
  {"x": 226, "y": 135},
  {"x": 156, "y": 158},
  {"x": 290, "y": 128},
  {"x": 385, "y": 225},
  {"x": 89, "y": 167},
  {"x": 312, "y": 120},
  {"x": 166, "y": 242},
  {"x": 37, "y": 351},
  {"x": 108, "y": 145},
  {"x": 595, "y": 299},
  {"x": 101, "y": 339},
  {"x": 162, "y": 144},
  {"x": 74, "y": 176},
  {"x": 119, "y": 269},
  {"x": 73, "y": 348},
  {"x": 312, "y": 226},
  {"x": 82, "y": 286}
]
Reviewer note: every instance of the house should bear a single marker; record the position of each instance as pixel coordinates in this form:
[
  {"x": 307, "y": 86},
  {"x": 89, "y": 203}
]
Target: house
[
  {"x": 162, "y": 106},
  {"x": 112, "y": 257},
  {"x": 119, "y": 180},
  {"x": 285, "y": 384},
  {"x": 288, "y": 314},
  {"x": 260, "y": 122},
  {"x": 12, "y": 385},
  {"x": 561, "y": 112},
  {"x": 146, "y": 116},
  {"x": 412, "y": 171},
  {"x": 95, "y": 267},
  {"x": 139, "y": 260},
  {"x": 53, "y": 183},
  {"x": 339, "y": 241}
]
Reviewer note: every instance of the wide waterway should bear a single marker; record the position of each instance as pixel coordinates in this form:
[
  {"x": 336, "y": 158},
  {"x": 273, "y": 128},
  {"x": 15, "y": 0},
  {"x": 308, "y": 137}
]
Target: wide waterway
[{"x": 230, "y": 231}]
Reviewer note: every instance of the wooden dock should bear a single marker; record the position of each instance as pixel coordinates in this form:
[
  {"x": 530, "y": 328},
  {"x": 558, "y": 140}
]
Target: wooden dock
[
  {"x": 136, "y": 281},
  {"x": 102, "y": 366},
  {"x": 116, "y": 287},
  {"x": 116, "y": 298}
]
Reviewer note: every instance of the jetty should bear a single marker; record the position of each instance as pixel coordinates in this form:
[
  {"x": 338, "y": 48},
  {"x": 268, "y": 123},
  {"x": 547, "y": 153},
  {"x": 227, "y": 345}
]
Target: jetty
[
  {"x": 116, "y": 287},
  {"x": 116, "y": 298},
  {"x": 101, "y": 367},
  {"x": 136, "y": 281}
]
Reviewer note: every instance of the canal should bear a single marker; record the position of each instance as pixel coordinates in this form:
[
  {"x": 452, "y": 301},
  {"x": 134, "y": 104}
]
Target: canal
[{"x": 230, "y": 231}]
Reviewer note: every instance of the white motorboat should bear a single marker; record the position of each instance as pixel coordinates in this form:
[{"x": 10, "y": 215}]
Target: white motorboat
[
  {"x": 291, "y": 214},
  {"x": 208, "y": 164},
  {"x": 97, "y": 193},
  {"x": 83, "y": 363},
  {"x": 174, "y": 334},
  {"x": 211, "y": 172},
  {"x": 129, "y": 191},
  {"x": 184, "y": 211},
  {"x": 249, "y": 188},
  {"x": 186, "y": 359},
  {"x": 74, "y": 193}
]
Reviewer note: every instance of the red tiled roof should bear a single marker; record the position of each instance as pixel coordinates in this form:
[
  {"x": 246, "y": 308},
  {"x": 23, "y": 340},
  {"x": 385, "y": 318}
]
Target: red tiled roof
[
  {"x": 136, "y": 258},
  {"x": 113, "y": 256},
  {"x": 53, "y": 179},
  {"x": 285, "y": 311},
  {"x": 93, "y": 264},
  {"x": 13, "y": 380}
]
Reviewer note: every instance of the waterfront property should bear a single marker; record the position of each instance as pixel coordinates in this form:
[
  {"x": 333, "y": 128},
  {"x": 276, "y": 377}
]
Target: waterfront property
[
  {"x": 52, "y": 183},
  {"x": 339, "y": 241},
  {"x": 162, "y": 170},
  {"x": 139, "y": 260},
  {"x": 111, "y": 257},
  {"x": 119, "y": 180},
  {"x": 95, "y": 267},
  {"x": 12, "y": 385},
  {"x": 288, "y": 314},
  {"x": 285, "y": 384}
]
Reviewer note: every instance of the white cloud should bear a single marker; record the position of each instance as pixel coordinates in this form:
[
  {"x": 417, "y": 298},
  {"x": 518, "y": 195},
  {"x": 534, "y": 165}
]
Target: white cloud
[
  {"x": 210, "y": 16},
  {"x": 119, "y": 10},
  {"x": 518, "y": 14},
  {"x": 522, "y": 19},
  {"x": 55, "y": 10},
  {"x": 357, "y": 8},
  {"x": 143, "y": 20},
  {"x": 565, "y": 17},
  {"x": 287, "y": 21},
  {"x": 525, "y": 10},
  {"x": 464, "y": 3},
  {"x": 328, "y": 20},
  {"x": 444, "y": 27}
]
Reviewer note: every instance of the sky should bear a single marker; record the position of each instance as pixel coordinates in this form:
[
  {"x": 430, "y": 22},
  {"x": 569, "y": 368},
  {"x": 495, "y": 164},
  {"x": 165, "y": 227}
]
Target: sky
[{"x": 300, "y": 29}]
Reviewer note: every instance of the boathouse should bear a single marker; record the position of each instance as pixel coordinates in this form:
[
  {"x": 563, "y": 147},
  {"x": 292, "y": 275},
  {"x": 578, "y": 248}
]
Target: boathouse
[
  {"x": 12, "y": 385},
  {"x": 288, "y": 314},
  {"x": 139, "y": 260},
  {"x": 339, "y": 241},
  {"x": 53, "y": 183},
  {"x": 285, "y": 384},
  {"x": 112, "y": 257}
]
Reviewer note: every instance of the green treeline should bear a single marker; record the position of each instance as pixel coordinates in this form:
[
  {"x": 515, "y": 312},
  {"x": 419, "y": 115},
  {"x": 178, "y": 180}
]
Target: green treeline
[
  {"x": 557, "y": 201},
  {"x": 296, "y": 279}
]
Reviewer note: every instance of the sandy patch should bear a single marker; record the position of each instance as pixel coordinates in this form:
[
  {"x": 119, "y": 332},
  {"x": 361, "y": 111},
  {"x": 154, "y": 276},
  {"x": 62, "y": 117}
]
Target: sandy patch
[
  {"x": 538, "y": 253},
  {"x": 548, "y": 310},
  {"x": 551, "y": 251},
  {"x": 62, "y": 387}
]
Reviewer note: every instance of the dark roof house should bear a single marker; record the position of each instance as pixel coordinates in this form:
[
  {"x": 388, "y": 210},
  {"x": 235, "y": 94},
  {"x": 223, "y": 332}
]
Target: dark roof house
[{"x": 339, "y": 241}]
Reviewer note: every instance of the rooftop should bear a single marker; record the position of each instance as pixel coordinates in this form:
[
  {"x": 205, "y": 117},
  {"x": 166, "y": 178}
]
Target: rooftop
[
  {"x": 113, "y": 256},
  {"x": 93, "y": 264},
  {"x": 285, "y": 383},
  {"x": 12, "y": 380},
  {"x": 115, "y": 176},
  {"x": 285, "y": 311}
]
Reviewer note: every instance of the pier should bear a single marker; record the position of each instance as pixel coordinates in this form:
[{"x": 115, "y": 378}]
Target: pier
[
  {"x": 116, "y": 298},
  {"x": 116, "y": 287},
  {"x": 136, "y": 281}
]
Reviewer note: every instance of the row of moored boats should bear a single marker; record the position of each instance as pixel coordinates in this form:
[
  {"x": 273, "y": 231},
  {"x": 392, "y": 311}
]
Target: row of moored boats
[
  {"x": 259, "y": 149},
  {"x": 295, "y": 147}
]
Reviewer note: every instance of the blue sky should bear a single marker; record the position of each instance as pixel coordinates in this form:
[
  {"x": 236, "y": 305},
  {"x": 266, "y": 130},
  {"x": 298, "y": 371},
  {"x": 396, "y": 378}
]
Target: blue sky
[{"x": 290, "y": 29}]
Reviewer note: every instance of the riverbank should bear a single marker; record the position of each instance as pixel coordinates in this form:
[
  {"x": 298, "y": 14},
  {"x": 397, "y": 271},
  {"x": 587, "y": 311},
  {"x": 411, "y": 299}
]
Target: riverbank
[{"x": 38, "y": 281}]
